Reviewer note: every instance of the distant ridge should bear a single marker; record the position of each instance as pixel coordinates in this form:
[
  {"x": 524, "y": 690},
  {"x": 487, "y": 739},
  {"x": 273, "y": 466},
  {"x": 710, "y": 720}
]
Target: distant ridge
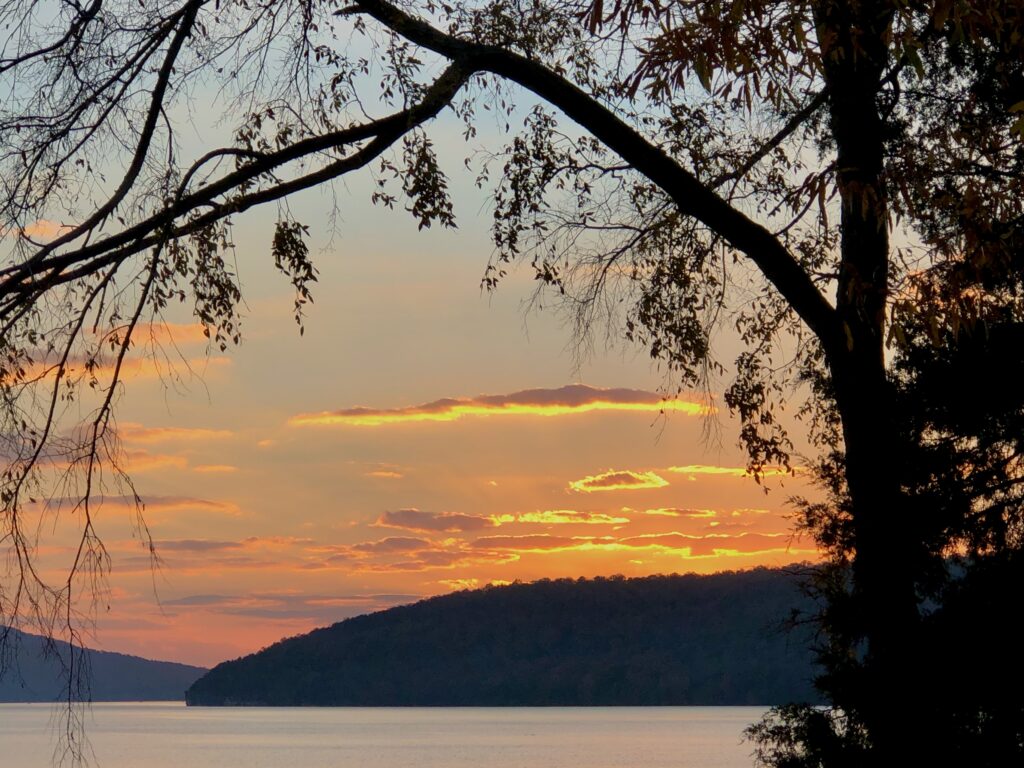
[
  {"x": 684, "y": 640},
  {"x": 31, "y": 674}
]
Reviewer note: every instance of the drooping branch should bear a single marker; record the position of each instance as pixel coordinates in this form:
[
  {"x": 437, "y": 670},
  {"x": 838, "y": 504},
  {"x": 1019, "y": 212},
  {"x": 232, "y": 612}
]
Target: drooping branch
[
  {"x": 692, "y": 197},
  {"x": 21, "y": 282},
  {"x": 185, "y": 25}
]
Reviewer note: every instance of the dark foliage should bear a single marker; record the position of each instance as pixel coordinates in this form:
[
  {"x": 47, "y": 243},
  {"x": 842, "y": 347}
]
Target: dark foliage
[
  {"x": 710, "y": 640},
  {"x": 961, "y": 476}
]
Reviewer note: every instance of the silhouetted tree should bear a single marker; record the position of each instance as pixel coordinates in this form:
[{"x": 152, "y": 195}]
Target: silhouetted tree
[
  {"x": 960, "y": 472},
  {"x": 734, "y": 163}
]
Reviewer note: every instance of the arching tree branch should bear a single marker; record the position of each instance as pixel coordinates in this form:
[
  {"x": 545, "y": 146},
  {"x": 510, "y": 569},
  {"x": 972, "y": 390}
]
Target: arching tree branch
[{"x": 692, "y": 197}]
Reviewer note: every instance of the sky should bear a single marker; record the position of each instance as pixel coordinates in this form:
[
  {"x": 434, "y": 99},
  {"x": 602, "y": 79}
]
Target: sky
[{"x": 421, "y": 436}]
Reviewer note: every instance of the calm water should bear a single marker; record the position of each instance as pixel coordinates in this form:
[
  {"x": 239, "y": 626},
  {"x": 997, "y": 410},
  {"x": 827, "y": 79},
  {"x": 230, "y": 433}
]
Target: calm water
[{"x": 169, "y": 735}]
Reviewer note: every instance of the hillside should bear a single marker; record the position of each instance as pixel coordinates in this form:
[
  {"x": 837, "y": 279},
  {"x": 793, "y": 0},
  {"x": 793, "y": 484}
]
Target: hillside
[
  {"x": 703, "y": 640},
  {"x": 31, "y": 675}
]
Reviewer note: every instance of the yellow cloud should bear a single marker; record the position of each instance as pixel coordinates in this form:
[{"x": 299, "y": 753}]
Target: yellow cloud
[
  {"x": 711, "y": 469},
  {"x": 460, "y": 584},
  {"x": 541, "y": 542},
  {"x": 683, "y": 544},
  {"x": 618, "y": 480},
  {"x": 560, "y": 517},
  {"x": 694, "y": 514},
  {"x": 573, "y": 399}
]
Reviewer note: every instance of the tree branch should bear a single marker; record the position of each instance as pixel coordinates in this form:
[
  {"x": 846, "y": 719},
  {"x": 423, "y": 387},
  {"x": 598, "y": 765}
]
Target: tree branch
[
  {"x": 692, "y": 197},
  {"x": 30, "y": 278}
]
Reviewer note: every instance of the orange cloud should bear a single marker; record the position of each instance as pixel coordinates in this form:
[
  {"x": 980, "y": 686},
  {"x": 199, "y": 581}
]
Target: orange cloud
[
  {"x": 418, "y": 520},
  {"x": 572, "y": 399},
  {"x": 618, "y": 480},
  {"x": 140, "y": 366},
  {"x": 693, "y": 514},
  {"x": 560, "y": 517},
  {"x": 185, "y": 503},
  {"x": 213, "y": 555},
  {"x": 159, "y": 333},
  {"x": 215, "y": 468},
  {"x": 530, "y": 543},
  {"x": 688, "y": 545},
  {"x": 143, "y": 461},
  {"x": 718, "y": 543},
  {"x": 385, "y": 474},
  {"x": 151, "y": 503},
  {"x": 40, "y": 229},
  {"x": 195, "y": 545},
  {"x": 133, "y": 461},
  {"x": 171, "y": 333},
  {"x": 132, "y": 432},
  {"x": 393, "y": 544},
  {"x": 711, "y": 469},
  {"x": 438, "y": 559},
  {"x": 267, "y": 607}
]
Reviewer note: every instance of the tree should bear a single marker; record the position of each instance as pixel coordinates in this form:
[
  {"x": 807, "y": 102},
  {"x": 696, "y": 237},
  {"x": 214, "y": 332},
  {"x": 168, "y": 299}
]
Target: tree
[
  {"x": 963, "y": 495},
  {"x": 824, "y": 177}
]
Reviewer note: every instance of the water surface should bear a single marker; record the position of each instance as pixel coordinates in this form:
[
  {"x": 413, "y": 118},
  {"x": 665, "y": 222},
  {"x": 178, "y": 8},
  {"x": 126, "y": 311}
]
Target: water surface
[{"x": 170, "y": 735}]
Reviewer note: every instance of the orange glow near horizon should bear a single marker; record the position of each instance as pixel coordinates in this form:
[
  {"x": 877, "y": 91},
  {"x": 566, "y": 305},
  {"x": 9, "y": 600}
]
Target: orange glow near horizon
[{"x": 261, "y": 532}]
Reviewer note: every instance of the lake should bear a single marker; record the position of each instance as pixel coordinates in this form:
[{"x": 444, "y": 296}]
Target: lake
[{"x": 170, "y": 735}]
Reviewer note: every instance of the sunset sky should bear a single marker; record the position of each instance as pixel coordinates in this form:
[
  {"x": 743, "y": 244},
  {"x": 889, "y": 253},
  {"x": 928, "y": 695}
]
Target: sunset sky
[{"x": 420, "y": 437}]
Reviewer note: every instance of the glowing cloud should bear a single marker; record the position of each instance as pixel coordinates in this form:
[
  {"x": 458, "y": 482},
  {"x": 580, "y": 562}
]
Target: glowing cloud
[
  {"x": 195, "y": 545},
  {"x": 711, "y": 469},
  {"x": 560, "y": 517},
  {"x": 393, "y": 544},
  {"x": 215, "y": 469},
  {"x": 693, "y": 514},
  {"x": 434, "y": 559},
  {"x": 150, "y": 503},
  {"x": 143, "y": 461},
  {"x": 137, "y": 433},
  {"x": 618, "y": 480},
  {"x": 78, "y": 368},
  {"x": 135, "y": 462},
  {"x": 171, "y": 333},
  {"x": 572, "y": 399},
  {"x": 536, "y": 542},
  {"x": 418, "y": 520},
  {"x": 40, "y": 229},
  {"x": 684, "y": 544},
  {"x": 460, "y": 584},
  {"x": 714, "y": 544}
]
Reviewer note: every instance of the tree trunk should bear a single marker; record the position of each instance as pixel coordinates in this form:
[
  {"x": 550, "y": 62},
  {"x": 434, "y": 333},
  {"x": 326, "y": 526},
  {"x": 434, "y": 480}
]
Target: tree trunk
[{"x": 855, "y": 56}]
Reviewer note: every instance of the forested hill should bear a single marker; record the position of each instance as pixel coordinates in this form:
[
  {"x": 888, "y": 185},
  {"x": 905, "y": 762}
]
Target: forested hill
[
  {"x": 701, "y": 640},
  {"x": 30, "y": 673}
]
